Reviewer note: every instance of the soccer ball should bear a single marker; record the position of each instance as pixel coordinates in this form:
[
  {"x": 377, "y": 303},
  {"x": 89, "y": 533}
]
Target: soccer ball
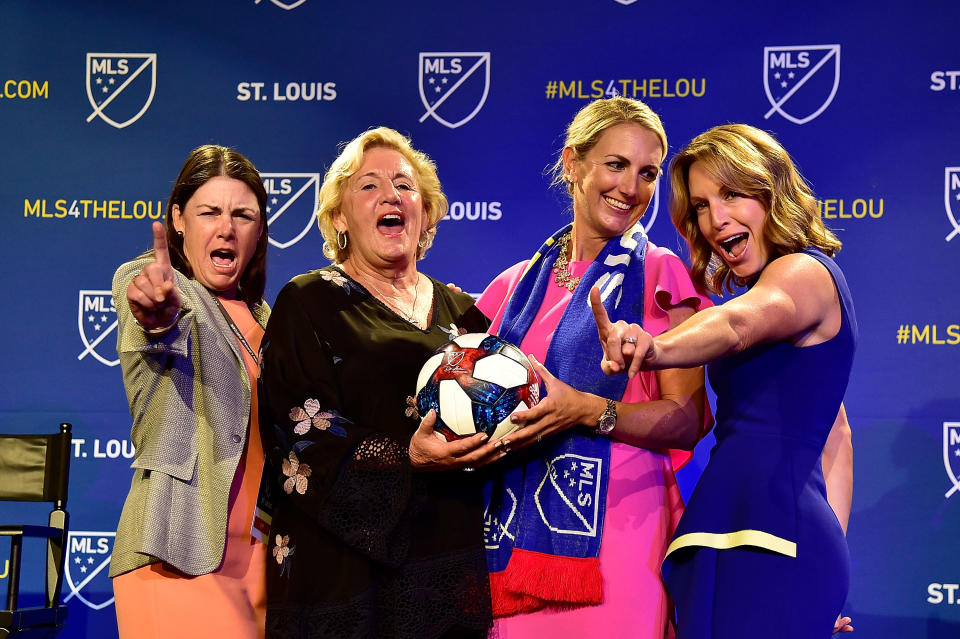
[{"x": 475, "y": 382}]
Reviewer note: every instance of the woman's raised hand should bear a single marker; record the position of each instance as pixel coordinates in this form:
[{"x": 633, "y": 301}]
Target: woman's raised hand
[
  {"x": 626, "y": 347},
  {"x": 152, "y": 295}
]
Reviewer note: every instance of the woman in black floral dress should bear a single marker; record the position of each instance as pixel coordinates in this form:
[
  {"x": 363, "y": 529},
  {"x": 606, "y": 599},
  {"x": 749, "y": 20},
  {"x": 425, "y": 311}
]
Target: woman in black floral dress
[{"x": 365, "y": 542}]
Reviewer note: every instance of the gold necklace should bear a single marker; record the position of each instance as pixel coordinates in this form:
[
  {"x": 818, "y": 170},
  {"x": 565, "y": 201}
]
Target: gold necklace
[
  {"x": 561, "y": 267},
  {"x": 395, "y": 306}
]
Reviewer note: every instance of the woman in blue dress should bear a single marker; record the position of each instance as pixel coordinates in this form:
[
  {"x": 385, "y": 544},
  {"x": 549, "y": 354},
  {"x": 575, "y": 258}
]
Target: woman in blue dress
[{"x": 761, "y": 543}]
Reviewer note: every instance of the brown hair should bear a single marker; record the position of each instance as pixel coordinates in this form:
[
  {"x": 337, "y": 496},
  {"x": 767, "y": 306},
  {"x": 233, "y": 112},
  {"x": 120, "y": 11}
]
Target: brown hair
[
  {"x": 750, "y": 161},
  {"x": 204, "y": 163}
]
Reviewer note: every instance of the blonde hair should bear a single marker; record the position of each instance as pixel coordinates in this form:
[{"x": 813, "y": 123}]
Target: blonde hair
[
  {"x": 591, "y": 121},
  {"x": 747, "y": 160},
  {"x": 348, "y": 163}
]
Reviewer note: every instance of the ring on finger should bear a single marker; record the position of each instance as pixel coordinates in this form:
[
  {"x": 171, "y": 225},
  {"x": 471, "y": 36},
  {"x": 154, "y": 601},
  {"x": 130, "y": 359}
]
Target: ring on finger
[
  {"x": 468, "y": 469},
  {"x": 539, "y": 437},
  {"x": 630, "y": 340}
]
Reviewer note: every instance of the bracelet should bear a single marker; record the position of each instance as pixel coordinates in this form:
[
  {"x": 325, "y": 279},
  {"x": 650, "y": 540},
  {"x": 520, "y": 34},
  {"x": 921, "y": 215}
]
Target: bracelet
[{"x": 160, "y": 330}]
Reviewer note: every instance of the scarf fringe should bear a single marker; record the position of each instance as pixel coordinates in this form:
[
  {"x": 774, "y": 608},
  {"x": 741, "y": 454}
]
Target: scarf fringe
[{"x": 534, "y": 580}]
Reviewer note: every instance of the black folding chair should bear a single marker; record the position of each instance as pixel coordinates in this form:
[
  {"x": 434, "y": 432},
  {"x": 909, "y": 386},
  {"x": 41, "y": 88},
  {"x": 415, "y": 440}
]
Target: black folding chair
[{"x": 36, "y": 468}]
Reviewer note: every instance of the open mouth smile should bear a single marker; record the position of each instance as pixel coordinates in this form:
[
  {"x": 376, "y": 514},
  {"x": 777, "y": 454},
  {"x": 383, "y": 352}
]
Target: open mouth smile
[
  {"x": 734, "y": 246},
  {"x": 617, "y": 204},
  {"x": 391, "y": 223}
]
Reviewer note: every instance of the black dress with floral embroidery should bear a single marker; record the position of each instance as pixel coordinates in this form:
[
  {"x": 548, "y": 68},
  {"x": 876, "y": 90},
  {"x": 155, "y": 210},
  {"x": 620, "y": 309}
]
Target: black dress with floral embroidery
[{"x": 360, "y": 546}]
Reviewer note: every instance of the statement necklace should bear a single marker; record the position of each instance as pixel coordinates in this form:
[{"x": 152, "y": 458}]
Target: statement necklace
[
  {"x": 395, "y": 304},
  {"x": 561, "y": 267}
]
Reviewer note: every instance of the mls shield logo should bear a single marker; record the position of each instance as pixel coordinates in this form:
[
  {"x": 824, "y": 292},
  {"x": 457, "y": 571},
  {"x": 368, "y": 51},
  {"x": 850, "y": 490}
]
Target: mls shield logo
[
  {"x": 96, "y": 319},
  {"x": 451, "y": 362},
  {"x": 951, "y": 454},
  {"x": 568, "y": 496},
  {"x": 801, "y": 81},
  {"x": 454, "y": 86},
  {"x": 951, "y": 198},
  {"x": 291, "y": 205},
  {"x": 500, "y": 524},
  {"x": 87, "y": 573},
  {"x": 285, "y": 5},
  {"x": 653, "y": 207},
  {"x": 121, "y": 84}
]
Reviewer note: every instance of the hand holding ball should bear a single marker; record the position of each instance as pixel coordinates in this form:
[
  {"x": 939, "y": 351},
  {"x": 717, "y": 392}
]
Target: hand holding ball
[{"x": 475, "y": 382}]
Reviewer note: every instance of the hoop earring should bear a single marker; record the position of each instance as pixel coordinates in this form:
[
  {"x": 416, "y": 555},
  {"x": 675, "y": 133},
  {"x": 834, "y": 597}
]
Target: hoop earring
[
  {"x": 424, "y": 238},
  {"x": 344, "y": 236}
]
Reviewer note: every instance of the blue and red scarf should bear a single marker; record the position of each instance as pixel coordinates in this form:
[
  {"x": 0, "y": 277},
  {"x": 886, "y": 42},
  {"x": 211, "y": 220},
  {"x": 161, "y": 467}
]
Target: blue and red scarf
[{"x": 544, "y": 514}]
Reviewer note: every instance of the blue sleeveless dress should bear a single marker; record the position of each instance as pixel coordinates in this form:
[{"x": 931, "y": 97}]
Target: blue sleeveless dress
[{"x": 758, "y": 546}]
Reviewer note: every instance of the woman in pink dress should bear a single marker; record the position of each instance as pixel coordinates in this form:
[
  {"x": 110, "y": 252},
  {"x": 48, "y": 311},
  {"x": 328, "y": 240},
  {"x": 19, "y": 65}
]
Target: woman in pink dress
[{"x": 578, "y": 521}]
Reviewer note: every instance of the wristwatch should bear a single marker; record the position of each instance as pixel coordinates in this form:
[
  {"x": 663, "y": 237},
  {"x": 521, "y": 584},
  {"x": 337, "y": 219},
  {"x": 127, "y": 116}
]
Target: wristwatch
[{"x": 608, "y": 418}]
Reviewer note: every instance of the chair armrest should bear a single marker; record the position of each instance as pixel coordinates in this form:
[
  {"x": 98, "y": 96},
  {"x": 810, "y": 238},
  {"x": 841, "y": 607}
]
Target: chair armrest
[{"x": 49, "y": 532}]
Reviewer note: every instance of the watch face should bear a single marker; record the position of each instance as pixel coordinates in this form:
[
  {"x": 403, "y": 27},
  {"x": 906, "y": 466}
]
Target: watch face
[
  {"x": 606, "y": 424},
  {"x": 608, "y": 419}
]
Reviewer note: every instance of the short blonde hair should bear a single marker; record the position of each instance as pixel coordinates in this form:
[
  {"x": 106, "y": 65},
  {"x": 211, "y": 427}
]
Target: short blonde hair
[
  {"x": 747, "y": 160},
  {"x": 349, "y": 161},
  {"x": 591, "y": 121}
]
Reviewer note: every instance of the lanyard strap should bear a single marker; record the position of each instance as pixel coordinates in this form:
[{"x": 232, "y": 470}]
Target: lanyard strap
[{"x": 236, "y": 331}]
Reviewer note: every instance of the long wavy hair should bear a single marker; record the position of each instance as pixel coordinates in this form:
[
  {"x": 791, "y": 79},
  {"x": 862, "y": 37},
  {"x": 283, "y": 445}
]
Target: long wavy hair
[{"x": 750, "y": 161}]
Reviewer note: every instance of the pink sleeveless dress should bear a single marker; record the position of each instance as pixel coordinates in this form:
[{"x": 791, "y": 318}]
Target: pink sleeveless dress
[{"x": 643, "y": 501}]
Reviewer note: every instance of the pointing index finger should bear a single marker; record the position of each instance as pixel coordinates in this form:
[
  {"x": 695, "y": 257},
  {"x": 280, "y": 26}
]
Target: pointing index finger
[
  {"x": 160, "y": 251},
  {"x": 599, "y": 312}
]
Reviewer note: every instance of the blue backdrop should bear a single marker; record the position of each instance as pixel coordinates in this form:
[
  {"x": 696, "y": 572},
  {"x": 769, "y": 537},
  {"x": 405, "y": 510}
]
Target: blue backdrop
[{"x": 100, "y": 102}]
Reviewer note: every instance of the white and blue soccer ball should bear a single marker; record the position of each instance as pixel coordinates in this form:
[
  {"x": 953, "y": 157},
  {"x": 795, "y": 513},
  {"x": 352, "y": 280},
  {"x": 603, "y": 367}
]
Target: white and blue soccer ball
[{"x": 475, "y": 382}]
